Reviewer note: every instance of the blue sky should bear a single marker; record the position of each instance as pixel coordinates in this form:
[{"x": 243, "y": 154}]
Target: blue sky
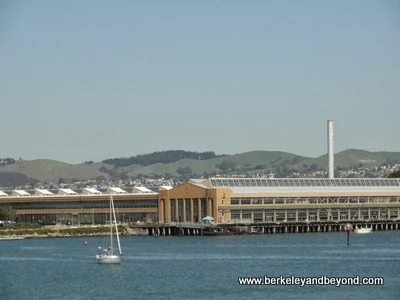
[{"x": 90, "y": 80}]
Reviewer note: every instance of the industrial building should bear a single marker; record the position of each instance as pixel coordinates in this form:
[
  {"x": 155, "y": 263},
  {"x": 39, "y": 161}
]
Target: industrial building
[
  {"x": 88, "y": 207},
  {"x": 227, "y": 200},
  {"x": 259, "y": 200}
]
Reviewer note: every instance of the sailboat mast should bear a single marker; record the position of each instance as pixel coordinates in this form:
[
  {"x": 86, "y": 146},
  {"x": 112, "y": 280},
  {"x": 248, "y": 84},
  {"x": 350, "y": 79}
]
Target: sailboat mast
[
  {"x": 111, "y": 225},
  {"x": 116, "y": 226}
]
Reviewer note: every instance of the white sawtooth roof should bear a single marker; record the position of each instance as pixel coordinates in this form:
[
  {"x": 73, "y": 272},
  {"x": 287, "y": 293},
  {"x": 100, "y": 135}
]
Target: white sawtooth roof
[
  {"x": 116, "y": 190},
  {"x": 43, "y": 192},
  {"x": 141, "y": 189},
  {"x": 2, "y": 194},
  {"x": 91, "y": 191},
  {"x": 21, "y": 193},
  {"x": 67, "y": 192}
]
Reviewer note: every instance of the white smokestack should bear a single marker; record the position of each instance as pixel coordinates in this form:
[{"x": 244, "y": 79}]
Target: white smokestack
[{"x": 330, "y": 149}]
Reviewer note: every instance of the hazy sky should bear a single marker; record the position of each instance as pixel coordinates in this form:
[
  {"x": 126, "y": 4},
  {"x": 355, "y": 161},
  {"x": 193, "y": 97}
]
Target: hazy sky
[{"x": 90, "y": 80}]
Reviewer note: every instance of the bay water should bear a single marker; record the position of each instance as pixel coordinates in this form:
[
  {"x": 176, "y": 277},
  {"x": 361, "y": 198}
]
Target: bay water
[{"x": 199, "y": 267}]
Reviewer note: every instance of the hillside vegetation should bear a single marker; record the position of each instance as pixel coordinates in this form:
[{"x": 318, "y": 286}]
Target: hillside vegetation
[
  {"x": 46, "y": 170},
  {"x": 164, "y": 157},
  {"x": 175, "y": 163},
  {"x": 254, "y": 159},
  {"x": 10, "y": 179}
]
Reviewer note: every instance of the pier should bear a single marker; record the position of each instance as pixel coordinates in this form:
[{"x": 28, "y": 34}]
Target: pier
[
  {"x": 196, "y": 229},
  {"x": 176, "y": 229}
]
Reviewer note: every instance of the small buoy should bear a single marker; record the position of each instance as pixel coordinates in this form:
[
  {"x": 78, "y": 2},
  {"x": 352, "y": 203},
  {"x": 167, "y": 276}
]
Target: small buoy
[{"x": 85, "y": 243}]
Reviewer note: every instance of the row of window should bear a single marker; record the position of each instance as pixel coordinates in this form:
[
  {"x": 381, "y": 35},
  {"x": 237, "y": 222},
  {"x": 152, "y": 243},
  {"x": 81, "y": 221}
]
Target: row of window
[
  {"x": 87, "y": 218},
  {"x": 312, "y": 200},
  {"x": 83, "y": 205},
  {"x": 322, "y": 214},
  {"x": 315, "y": 210}
]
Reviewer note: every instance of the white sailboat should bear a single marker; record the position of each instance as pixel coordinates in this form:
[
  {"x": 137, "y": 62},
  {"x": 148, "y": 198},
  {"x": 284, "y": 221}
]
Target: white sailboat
[
  {"x": 363, "y": 230},
  {"x": 108, "y": 257}
]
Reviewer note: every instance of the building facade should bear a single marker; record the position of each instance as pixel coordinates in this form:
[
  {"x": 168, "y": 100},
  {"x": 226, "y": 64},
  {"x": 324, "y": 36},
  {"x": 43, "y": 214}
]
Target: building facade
[
  {"x": 259, "y": 200},
  {"x": 190, "y": 202},
  {"x": 227, "y": 200},
  {"x": 85, "y": 208}
]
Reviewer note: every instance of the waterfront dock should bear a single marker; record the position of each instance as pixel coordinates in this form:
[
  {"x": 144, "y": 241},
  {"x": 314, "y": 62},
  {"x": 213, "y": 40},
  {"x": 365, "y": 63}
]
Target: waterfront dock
[
  {"x": 197, "y": 229},
  {"x": 174, "y": 228}
]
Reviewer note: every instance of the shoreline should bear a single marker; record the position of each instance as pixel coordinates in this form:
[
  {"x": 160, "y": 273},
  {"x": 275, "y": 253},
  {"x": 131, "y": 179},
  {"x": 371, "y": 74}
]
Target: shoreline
[
  {"x": 16, "y": 234},
  {"x": 55, "y": 235}
]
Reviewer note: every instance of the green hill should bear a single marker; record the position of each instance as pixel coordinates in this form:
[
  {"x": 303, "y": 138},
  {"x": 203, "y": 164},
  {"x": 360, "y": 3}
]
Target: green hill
[
  {"x": 51, "y": 170},
  {"x": 353, "y": 158},
  {"x": 253, "y": 158},
  {"x": 254, "y": 161}
]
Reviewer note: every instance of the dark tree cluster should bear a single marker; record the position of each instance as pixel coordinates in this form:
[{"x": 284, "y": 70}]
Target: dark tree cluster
[
  {"x": 6, "y": 161},
  {"x": 226, "y": 165},
  {"x": 395, "y": 174},
  {"x": 186, "y": 171},
  {"x": 164, "y": 157}
]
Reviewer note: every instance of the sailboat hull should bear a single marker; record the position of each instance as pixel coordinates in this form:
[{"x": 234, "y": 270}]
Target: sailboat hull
[
  {"x": 108, "y": 259},
  {"x": 363, "y": 230}
]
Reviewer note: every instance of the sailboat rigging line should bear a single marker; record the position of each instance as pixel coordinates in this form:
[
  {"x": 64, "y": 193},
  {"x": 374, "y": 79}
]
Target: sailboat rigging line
[{"x": 116, "y": 226}]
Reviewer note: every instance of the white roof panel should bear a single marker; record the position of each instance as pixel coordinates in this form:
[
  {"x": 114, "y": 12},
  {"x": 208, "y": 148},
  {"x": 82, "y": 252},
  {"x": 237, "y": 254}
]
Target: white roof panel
[
  {"x": 91, "y": 191},
  {"x": 116, "y": 190},
  {"x": 67, "y": 192},
  {"x": 43, "y": 192},
  {"x": 2, "y": 194},
  {"x": 141, "y": 189},
  {"x": 21, "y": 193}
]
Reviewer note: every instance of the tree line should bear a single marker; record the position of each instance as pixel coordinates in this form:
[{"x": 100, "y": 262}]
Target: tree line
[{"x": 164, "y": 157}]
